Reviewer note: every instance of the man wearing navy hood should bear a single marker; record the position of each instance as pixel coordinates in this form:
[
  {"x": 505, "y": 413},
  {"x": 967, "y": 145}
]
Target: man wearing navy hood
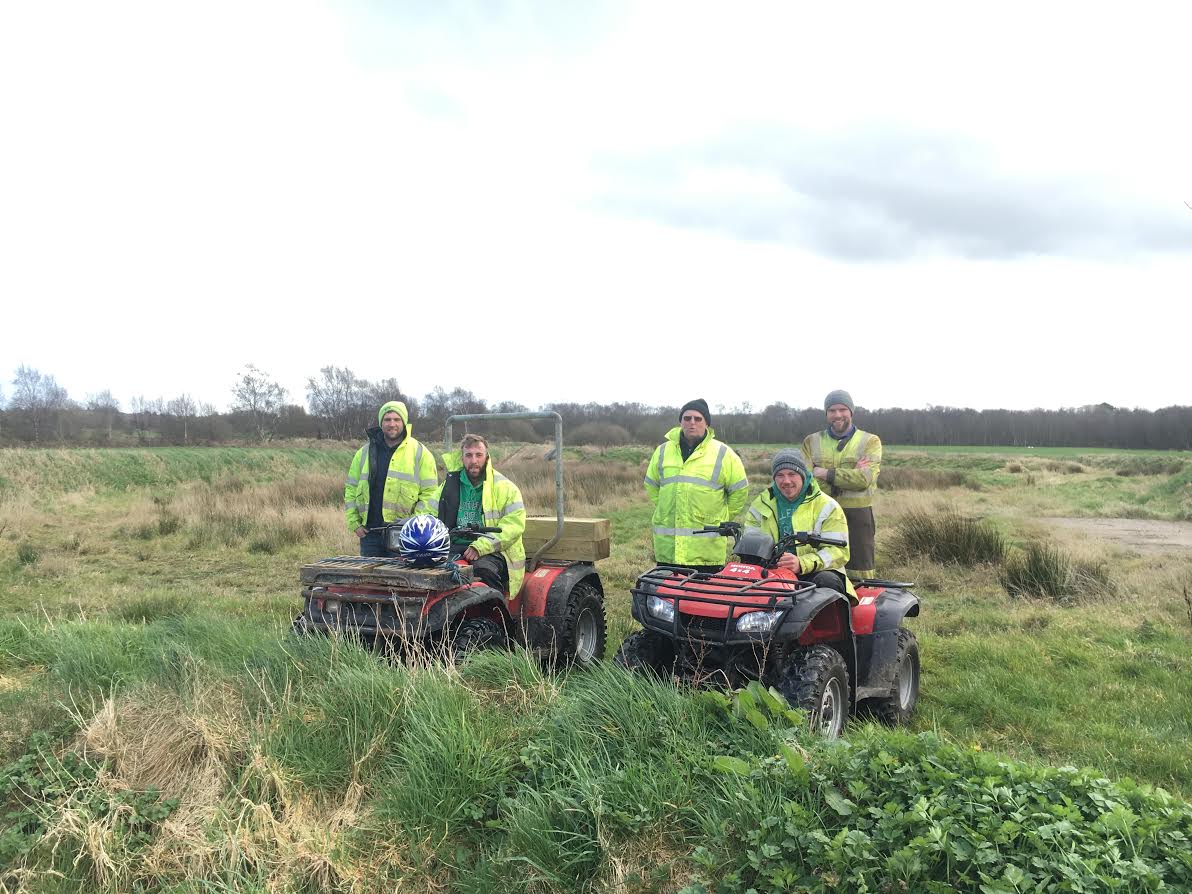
[{"x": 846, "y": 461}]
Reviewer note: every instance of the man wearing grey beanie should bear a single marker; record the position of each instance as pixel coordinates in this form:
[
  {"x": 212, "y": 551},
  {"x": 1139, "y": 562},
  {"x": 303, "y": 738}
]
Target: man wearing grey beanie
[
  {"x": 794, "y": 502},
  {"x": 846, "y": 461}
]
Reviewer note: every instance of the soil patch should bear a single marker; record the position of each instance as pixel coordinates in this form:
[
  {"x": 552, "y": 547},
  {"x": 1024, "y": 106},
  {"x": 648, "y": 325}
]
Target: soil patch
[{"x": 1142, "y": 535}]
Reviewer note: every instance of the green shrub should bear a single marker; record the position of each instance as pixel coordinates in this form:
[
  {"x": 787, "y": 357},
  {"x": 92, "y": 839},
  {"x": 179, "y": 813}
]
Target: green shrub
[
  {"x": 949, "y": 537},
  {"x": 1051, "y": 573},
  {"x": 891, "y": 812},
  {"x": 28, "y": 554}
]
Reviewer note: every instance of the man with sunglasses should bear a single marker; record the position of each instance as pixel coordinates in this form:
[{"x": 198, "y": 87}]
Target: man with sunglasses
[{"x": 694, "y": 480}]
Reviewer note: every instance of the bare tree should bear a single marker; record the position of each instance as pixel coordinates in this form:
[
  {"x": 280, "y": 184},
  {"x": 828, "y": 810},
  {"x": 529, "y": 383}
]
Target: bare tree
[
  {"x": 183, "y": 406},
  {"x": 256, "y": 394},
  {"x": 337, "y": 397},
  {"x": 106, "y": 407},
  {"x": 38, "y": 396}
]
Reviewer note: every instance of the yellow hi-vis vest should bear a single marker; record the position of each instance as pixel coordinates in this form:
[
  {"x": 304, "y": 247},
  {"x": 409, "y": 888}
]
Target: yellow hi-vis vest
[
  {"x": 707, "y": 489},
  {"x": 411, "y": 480},
  {"x": 819, "y": 514},
  {"x": 501, "y": 502},
  {"x": 853, "y": 488}
]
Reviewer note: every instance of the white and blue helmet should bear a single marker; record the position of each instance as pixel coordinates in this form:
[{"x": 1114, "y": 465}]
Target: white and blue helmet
[{"x": 424, "y": 540}]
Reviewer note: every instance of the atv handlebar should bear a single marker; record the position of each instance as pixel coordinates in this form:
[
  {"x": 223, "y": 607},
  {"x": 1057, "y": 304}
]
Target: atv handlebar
[
  {"x": 733, "y": 529},
  {"x": 472, "y": 532}
]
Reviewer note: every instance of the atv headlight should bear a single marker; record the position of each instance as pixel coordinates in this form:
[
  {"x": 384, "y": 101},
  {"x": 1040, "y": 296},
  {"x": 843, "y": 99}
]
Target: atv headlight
[
  {"x": 757, "y": 622},
  {"x": 662, "y": 609},
  {"x": 331, "y": 606}
]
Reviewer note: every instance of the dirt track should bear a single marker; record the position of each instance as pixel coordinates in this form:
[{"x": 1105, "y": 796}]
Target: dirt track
[{"x": 1142, "y": 535}]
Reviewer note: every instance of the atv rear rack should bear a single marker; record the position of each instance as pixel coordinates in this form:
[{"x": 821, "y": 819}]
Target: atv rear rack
[{"x": 383, "y": 573}]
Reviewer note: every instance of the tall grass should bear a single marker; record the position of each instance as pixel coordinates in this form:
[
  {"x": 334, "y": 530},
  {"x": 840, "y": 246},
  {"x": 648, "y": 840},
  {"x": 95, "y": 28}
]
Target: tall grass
[
  {"x": 1050, "y": 572},
  {"x": 948, "y": 537},
  {"x": 258, "y": 763}
]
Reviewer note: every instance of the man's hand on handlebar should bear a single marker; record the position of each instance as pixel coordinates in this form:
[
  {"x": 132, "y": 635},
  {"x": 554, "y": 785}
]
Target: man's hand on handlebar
[
  {"x": 361, "y": 532},
  {"x": 790, "y": 561},
  {"x": 470, "y": 555}
]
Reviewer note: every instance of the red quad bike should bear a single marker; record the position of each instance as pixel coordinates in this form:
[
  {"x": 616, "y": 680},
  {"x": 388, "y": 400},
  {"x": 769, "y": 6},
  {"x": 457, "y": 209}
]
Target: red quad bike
[
  {"x": 755, "y": 621},
  {"x": 559, "y": 612}
]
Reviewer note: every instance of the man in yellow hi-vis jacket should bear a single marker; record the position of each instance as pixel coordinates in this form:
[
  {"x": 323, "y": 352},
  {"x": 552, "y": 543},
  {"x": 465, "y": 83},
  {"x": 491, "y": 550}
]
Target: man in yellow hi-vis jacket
[
  {"x": 694, "y": 480},
  {"x": 477, "y": 494},
  {"x": 390, "y": 478},
  {"x": 846, "y": 462}
]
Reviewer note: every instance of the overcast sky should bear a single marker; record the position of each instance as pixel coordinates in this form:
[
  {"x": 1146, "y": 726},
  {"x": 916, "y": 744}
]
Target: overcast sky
[{"x": 748, "y": 202}]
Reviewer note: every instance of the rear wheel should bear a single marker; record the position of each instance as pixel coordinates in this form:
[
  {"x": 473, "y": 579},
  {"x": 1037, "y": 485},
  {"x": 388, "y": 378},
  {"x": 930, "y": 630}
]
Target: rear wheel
[
  {"x": 816, "y": 680},
  {"x": 897, "y": 708},
  {"x": 474, "y": 634},
  {"x": 584, "y": 629},
  {"x": 647, "y": 651}
]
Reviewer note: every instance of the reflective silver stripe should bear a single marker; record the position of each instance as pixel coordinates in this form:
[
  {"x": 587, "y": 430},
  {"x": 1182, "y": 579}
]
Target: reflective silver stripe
[
  {"x": 433, "y": 505},
  {"x": 423, "y": 482},
  {"x": 516, "y": 564},
  {"x": 684, "y": 532},
  {"x": 512, "y": 507},
  {"x": 650, "y": 482},
  {"x": 492, "y": 537},
  {"x": 823, "y": 517},
  {"x": 491, "y": 515},
  {"x": 719, "y": 463},
  {"x": 825, "y": 557},
  {"x": 497, "y": 476},
  {"x": 400, "y": 507},
  {"x": 757, "y": 515},
  {"x": 732, "y": 488},
  {"x": 816, "y": 442},
  {"x": 689, "y": 479},
  {"x": 350, "y": 481},
  {"x": 661, "y": 456},
  {"x": 403, "y": 476},
  {"x": 417, "y": 458},
  {"x": 348, "y": 506}
]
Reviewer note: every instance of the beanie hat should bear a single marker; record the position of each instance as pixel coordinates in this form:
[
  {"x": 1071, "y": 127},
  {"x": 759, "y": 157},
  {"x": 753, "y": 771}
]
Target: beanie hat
[
  {"x": 394, "y": 406},
  {"x": 839, "y": 397},
  {"x": 788, "y": 459},
  {"x": 700, "y": 406}
]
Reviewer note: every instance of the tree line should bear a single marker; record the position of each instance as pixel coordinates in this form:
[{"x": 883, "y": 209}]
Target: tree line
[{"x": 340, "y": 405}]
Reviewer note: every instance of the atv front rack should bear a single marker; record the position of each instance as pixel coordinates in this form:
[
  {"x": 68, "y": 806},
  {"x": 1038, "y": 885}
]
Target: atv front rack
[{"x": 719, "y": 589}]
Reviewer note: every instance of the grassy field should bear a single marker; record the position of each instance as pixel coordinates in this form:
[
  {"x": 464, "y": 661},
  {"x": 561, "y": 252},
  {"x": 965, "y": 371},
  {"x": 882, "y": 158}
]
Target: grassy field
[{"x": 162, "y": 731}]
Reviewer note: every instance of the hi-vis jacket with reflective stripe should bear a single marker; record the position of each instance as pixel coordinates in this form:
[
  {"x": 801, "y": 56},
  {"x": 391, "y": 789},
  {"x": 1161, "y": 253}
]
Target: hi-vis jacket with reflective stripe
[
  {"x": 411, "y": 481},
  {"x": 503, "y": 508},
  {"x": 853, "y": 488},
  {"x": 711, "y": 487},
  {"x": 819, "y": 514}
]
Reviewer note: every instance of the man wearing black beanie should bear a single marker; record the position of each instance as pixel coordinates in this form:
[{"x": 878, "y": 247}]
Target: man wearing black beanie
[{"x": 694, "y": 480}]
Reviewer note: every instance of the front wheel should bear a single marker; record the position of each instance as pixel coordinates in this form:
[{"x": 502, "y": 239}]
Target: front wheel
[
  {"x": 474, "y": 634},
  {"x": 896, "y": 708},
  {"x": 647, "y": 651},
  {"x": 816, "y": 680}
]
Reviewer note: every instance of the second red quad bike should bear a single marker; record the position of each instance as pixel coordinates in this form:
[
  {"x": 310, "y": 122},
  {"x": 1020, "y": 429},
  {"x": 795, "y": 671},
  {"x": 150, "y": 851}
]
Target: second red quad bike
[
  {"x": 755, "y": 621},
  {"x": 559, "y": 612}
]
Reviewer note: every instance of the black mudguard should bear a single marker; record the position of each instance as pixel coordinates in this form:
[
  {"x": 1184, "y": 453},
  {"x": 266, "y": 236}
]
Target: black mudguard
[
  {"x": 546, "y": 632},
  {"x": 876, "y": 653}
]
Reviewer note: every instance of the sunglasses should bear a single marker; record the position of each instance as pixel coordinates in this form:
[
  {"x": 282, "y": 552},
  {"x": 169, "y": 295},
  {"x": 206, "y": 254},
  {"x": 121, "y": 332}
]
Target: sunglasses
[{"x": 693, "y": 418}]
